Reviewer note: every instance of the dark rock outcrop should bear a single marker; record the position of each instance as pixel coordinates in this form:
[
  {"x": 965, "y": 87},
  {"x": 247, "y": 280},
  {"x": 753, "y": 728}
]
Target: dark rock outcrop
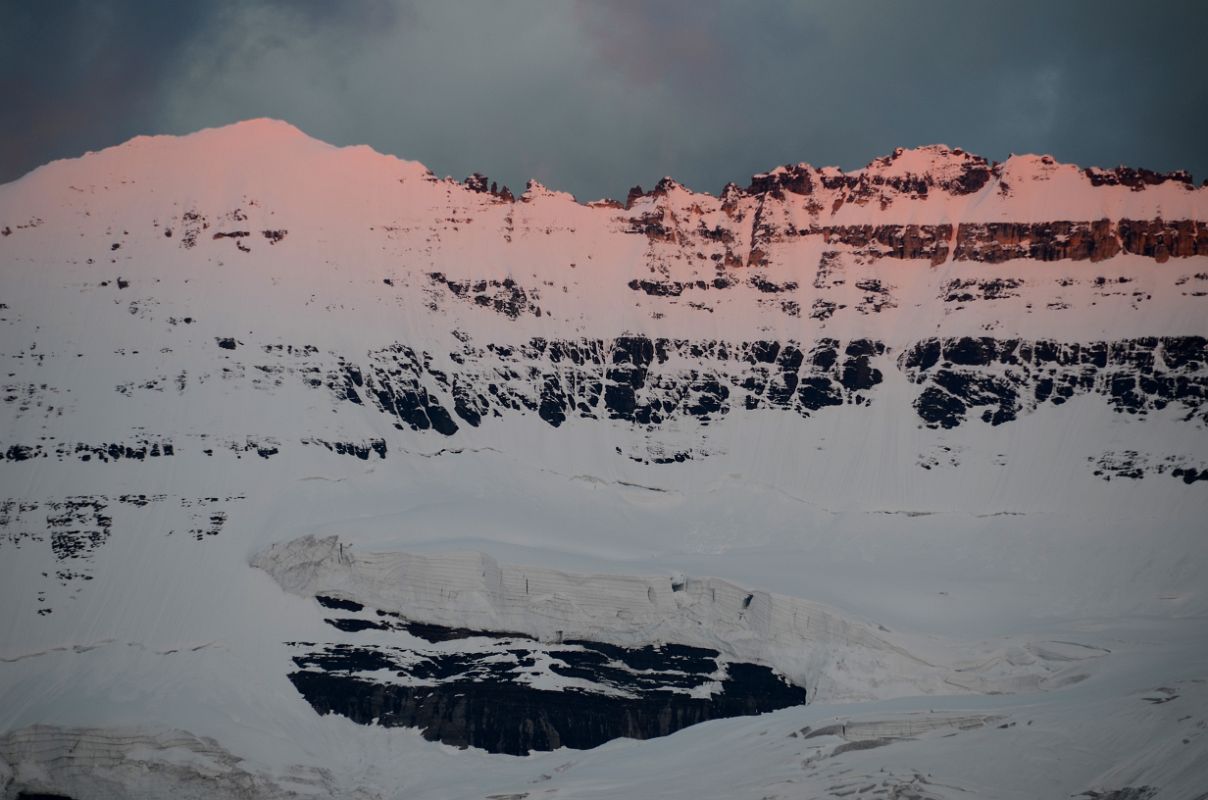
[
  {"x": 1163, "y": 240},
  {"x": 629, "y": 378},
  {"x": 1135, "y": 179},
  {"x": 483, "y": 697},
  {"x": 995, "y": 242},
  {"x": 889, "y": 241},
  {"x": 1006, "y": 377}
]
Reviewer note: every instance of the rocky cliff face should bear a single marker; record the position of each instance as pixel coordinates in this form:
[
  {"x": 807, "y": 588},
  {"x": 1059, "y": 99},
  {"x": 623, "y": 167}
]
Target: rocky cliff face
[
  {"x": 515, "y": 696},
  {"x": 769, "y": 210},
  {"x": 1134, "y": 376}
]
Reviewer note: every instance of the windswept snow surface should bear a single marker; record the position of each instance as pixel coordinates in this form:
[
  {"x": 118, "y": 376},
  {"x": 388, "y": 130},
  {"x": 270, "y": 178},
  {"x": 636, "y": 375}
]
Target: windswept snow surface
[{"x": 927, "y": 438}]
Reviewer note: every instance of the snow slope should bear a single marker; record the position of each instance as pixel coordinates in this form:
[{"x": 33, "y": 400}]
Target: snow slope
[{"x": 950, "y": 413}]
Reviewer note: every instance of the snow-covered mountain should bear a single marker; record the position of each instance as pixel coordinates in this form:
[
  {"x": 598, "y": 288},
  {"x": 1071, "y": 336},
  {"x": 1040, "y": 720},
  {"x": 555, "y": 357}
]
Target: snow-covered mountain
[{"x": 318, "y": 468}]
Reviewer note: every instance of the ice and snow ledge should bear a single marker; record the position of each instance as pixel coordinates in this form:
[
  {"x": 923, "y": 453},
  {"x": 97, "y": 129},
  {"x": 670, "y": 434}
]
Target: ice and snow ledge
[{"x": 834, "y": 656}]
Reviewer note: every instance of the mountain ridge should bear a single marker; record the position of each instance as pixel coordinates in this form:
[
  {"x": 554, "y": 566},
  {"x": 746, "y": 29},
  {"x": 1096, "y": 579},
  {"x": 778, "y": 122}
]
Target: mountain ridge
[{"x": 269, "y": 129}]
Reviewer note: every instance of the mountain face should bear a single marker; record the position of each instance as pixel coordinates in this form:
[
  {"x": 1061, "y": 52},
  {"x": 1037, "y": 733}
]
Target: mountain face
[{"x": 310, "y": 456}]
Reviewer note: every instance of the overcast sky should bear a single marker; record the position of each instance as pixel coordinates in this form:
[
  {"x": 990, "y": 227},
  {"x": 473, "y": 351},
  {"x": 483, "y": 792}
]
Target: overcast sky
[{"x": 593, "y": 96}]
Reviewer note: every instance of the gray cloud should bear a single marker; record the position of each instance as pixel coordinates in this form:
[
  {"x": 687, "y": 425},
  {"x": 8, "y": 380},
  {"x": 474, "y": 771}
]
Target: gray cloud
[
  {"x": 78, "y": 75},
  {"x": 595, "y": 95}
]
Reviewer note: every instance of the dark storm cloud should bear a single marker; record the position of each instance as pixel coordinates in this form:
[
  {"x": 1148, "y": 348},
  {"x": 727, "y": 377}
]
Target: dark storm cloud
[
  {"x": 594, "y": 95},
  {"x": 83, "y": 75}
]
